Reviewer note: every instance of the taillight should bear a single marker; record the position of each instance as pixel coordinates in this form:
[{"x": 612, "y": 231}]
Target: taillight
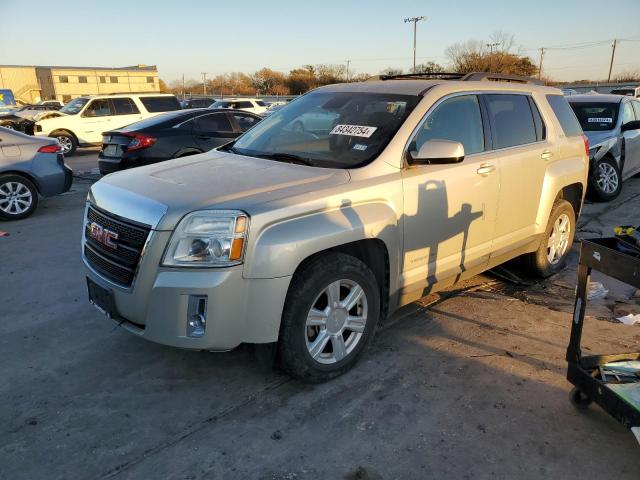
[
  {"x": 586, "y": 144},
  {"x": 139, "y": 141},
  {"x": 55, "y": 148}
]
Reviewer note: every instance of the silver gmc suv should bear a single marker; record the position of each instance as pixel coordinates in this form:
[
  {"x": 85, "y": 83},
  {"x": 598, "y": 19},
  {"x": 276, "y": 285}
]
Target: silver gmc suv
[{"x": 351, "y": 201}]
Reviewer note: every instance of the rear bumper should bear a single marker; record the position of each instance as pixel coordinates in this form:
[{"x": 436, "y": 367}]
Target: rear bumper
[{"x": 52, "y": 178}]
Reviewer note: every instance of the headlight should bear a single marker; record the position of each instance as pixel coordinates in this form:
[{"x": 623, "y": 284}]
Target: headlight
[{"x": 208, "y": 238}]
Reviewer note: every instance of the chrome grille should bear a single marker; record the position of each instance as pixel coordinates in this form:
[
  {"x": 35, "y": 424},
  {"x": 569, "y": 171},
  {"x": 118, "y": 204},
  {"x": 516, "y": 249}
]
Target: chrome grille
[{"x": 117, "y": 262}]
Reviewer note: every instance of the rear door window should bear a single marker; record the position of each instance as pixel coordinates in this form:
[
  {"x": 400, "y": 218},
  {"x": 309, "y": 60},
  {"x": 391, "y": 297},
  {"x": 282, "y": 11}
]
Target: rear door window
[
  {"x": 565, "y": 115},
  {"x": 160, "y": 104},
  {"x": 212, "y": 123},
  {"x": 511, "y": 119},
  {"x": 457, "y": 119},
  {"x": 242, "y": 105},
  {"x": 98, "y": 108},
  {"x": 124, "y": 106}
]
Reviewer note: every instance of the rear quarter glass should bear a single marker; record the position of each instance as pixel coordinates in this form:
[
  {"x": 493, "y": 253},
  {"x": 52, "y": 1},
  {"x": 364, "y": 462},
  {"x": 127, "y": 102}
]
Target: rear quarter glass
[{"x": 565, "y": 115}]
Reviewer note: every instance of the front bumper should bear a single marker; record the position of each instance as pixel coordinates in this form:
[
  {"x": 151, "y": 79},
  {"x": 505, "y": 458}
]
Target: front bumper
[{"x": 155, "y": 307}]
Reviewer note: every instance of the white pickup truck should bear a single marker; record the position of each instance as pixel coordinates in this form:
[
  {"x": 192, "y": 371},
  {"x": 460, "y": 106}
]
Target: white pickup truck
[{"x": 80, "y": 122}]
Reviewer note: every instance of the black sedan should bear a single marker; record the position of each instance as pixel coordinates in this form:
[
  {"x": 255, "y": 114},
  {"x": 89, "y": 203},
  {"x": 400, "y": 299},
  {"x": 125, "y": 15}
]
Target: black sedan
[{"x": 171, "y": 135}]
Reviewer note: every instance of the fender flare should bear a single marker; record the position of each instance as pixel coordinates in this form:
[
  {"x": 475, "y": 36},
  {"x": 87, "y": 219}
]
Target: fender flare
[{"x": 281, "y": 247}]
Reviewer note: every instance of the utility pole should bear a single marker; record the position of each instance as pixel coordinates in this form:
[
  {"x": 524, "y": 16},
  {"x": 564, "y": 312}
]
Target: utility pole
[
  {"x": 540, "y": 66},
  {"x": 491, "y": 45},
  {"x": 415, "y": 21},
  {"x": 348, "y": 62},
  {"x": 204, "y": 82},
  {"x": 183, "y": 92},
  {"x": 613, "y": 54}
]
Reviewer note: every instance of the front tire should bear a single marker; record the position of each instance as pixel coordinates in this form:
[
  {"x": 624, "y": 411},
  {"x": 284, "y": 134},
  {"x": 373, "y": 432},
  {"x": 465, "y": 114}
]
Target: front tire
[
  {"x": 67, "y": 142},
  {"x": 330, "y": 315},
  {"x": 18, "y": 197},
  {"x": 605, "y": 181},
  {"x": 556, "y": 243}
]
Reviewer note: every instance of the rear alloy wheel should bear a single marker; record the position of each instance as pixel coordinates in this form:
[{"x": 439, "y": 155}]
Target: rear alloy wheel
[
  {"x": 330, "y": 315},
  {"x": 67, "y": 142},
  {"x": 605, "y": 181},
  {"x": 18, "y": 197},
  {"x": 556, "y": 243}
]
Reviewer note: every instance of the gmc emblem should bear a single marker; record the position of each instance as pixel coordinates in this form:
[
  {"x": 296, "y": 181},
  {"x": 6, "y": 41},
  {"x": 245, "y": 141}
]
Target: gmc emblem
[{"x": 103, "y": 235}]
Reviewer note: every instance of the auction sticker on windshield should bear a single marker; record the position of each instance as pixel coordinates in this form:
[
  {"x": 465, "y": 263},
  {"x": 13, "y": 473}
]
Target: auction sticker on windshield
[
  {"x": 353, "y": 130},
  {"x": 600, "y": 120}
]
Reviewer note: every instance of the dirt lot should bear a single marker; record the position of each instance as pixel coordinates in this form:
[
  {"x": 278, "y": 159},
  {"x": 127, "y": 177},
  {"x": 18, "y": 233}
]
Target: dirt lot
[{"x": 467, "y": 384}]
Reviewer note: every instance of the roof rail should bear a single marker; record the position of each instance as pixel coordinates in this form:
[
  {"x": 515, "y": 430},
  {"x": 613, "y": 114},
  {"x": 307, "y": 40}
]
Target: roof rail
[
  {"x": 468, "y": 77},
  {"x": 409, "y": 76},
  {"x": 499, "y": 77}
]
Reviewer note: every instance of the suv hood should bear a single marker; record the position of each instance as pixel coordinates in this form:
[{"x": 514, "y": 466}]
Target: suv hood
[{"x": 210, "y": 180}]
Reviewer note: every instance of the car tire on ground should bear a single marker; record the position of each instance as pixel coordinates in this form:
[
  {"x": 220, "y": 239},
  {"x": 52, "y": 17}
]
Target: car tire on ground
[
  {"x": 330, "y": 315},
  {"x": 605, "y": 180},
  {"x": 556, "y": 243},
  {"x": 67, "y": 141},
  {"x": 579, "y": 399},
  {"x": 18, "y": 197}
]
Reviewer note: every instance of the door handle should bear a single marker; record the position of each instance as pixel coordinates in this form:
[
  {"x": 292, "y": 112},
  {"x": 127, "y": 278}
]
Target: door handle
[
  {"x": 486, "y": 169},
  {"x": 546, "y": 155}
]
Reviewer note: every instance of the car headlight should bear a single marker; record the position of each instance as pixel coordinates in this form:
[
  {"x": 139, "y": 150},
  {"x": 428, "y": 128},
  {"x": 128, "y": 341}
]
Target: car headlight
[{"x": 208, "y": 238}]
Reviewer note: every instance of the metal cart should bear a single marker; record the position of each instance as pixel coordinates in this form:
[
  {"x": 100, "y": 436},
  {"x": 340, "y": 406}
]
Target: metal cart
[{"x": 612, "y": 257}]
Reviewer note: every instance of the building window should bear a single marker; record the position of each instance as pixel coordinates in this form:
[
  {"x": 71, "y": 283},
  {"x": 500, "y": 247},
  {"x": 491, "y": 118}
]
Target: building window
[
  {"x": 63, "y": 79},
  {"x": 103, "y": 79},
  {"x": 82, "y": 79},
  {"x": 113, "y": 79},
  {"x": 149, "y": 79}
]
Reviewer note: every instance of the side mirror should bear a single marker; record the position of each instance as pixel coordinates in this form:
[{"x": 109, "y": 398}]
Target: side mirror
[
  {"x": 632, "y": 125},
  {"x": 437, "y": 152}
]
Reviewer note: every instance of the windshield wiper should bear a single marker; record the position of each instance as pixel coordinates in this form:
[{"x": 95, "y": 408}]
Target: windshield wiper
[{"x": 286, "y": 157}]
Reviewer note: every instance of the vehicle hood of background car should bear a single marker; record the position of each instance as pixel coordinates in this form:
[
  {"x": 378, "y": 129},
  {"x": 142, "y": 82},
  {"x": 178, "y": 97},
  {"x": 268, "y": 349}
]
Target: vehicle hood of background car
[
  {"x": 214, "y": 180},
  {"x": 48, "y": 115}
]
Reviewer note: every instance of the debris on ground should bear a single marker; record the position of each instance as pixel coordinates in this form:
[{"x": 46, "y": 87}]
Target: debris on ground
[
  {"x": 630, "y": 319},
  {"x": 596, "y": 291}
]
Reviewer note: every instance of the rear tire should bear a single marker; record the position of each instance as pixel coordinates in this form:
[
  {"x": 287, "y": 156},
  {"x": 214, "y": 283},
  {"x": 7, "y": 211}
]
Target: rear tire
[
  {"x": 67, "y": 141},
  {"x": 330, "y": 315},
  {"x": 556, "y": 243},
  {"x": 605, "y": 181},
  {"x": 18, "y": 197}
]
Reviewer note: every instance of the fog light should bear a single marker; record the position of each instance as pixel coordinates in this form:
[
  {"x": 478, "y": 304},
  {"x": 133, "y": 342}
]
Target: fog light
[{"x": 197, "y": 316}]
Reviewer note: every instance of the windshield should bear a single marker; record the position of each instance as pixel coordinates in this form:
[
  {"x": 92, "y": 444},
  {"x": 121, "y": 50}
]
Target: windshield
[
  {"x": 330, "y": 129},
  {"x": 74, "y": 106},
  {"x": 596, "y": 116}
]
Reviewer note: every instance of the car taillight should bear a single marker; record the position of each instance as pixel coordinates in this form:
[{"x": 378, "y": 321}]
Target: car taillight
[
  {"x": 586, "y": 144},
  {"x": 139, "y": 141},
  {"x": 55, "y": 148}
]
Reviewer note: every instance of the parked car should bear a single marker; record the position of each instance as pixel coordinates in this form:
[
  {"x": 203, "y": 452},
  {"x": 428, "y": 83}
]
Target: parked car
[
  {"x": 29, "y": 167},
  {"x": 197, "y": 102},
  {"x": 309, "y": 239},
  {"x": 569, "y": 91},
  {"x": 171, "y": 135},
  {"x": 253, "y": 105},
  {"x": 271, "y": 109},
  {"x": 51, "y": 103},
  {"x": 612, "y": 124},
  {"x": 628, "y": 91},
  {"x": 80, "y": 122},
  {"x": 7, "y": 101}
]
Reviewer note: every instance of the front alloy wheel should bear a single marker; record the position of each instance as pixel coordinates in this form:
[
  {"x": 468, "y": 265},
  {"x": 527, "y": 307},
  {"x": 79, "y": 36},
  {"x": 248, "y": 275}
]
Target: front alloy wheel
[
  {"x": 605, "y": 181},
  {"x": 336, "y": 321},
  {"x": 330, "y": 315}
]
